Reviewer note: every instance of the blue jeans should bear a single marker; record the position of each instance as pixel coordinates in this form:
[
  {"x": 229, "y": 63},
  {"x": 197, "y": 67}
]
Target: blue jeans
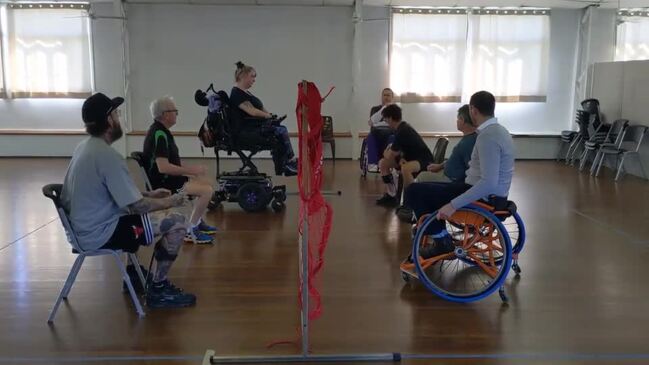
[
  {"x": 427, "y": 198},
  {"x": 282, "y": 133}
]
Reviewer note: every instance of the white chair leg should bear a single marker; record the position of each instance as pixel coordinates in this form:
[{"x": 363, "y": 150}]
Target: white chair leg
[
  {"x": 599, "y": 166},
  {"x": 584, "y": 158},
  {"x": 620, "y": 168},
  {"x": 67, "y": 286},
  {"x": 136, "y": 263},
  {"x": 593, "y": 167},
  {"x": 131, "y": 290},
  {"x": 76, "y": 267}
]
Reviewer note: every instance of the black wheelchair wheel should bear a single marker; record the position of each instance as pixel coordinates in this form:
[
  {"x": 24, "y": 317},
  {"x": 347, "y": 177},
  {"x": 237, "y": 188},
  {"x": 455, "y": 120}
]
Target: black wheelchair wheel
[
  {"x": 363, "y": 159},
  {"x": 252, "y": 197}
]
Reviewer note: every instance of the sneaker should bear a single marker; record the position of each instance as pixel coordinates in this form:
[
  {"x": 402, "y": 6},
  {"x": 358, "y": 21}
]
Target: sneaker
[
  {"x": 196, "y": 236},
  {"x": 405, "y": 214},
  {"x": 135, "y": 280},
  {"x": 166, "y": 295},
  {"x": 205, "y": 228},
  {"x": 387, "y": 200},
  {"x": 439, "y": 246},
  {"x": 290, "y": 170},
  {"x": 372, "y": 168}
]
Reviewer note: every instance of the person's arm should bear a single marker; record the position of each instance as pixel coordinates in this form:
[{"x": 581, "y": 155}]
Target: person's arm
[
  {"x": 146, "y": 205},
  {"x": 489, "y": 155},
  {"x": 167, "y": 168},
  {"x": 249, "y": 109},
  {"x": 435, "y": 167}
]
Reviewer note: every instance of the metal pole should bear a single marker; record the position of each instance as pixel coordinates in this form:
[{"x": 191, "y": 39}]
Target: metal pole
[
  {"x": 210, "y": 359},
  {"x": 305, "y": 227}
]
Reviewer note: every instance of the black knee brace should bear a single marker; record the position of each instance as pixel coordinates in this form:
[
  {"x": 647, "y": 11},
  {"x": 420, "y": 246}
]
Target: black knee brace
[
  {"x": 161, "y": 254},
  {"x": 388, "y": 179}
]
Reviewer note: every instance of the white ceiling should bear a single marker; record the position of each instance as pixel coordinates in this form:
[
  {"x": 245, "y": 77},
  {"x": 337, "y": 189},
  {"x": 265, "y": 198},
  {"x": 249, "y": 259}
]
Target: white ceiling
[{"x": 574, "y": 4}]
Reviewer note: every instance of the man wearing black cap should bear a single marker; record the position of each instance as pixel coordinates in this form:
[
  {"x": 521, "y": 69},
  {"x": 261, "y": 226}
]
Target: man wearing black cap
[{"x": 107, "y": 210}]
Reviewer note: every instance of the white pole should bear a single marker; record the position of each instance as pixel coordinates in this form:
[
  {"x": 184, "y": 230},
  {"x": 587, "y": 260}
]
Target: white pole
[{"x": 305, "y": 227}]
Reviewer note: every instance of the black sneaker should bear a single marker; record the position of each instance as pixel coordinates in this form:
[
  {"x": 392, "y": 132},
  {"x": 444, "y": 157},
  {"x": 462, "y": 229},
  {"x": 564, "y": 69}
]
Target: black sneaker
[
  {"x": 405, "y": 214},
  {"x": 166, "y": 295},
  {"x": 290, "y": 170},
  {"x": 135, "y": 280},
  {"x": 439, "y": 246},
  {"x": 387, "y": 201}
]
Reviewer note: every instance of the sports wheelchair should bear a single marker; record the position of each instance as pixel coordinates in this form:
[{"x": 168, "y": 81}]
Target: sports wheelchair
[
  {"x": 253, "y": 190},
  {"x": 488, "y": 237}
]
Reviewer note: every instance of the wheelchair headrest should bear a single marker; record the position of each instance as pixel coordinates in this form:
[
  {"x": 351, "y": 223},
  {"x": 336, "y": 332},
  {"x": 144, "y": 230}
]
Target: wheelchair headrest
[{"x": 200, "y": 97}]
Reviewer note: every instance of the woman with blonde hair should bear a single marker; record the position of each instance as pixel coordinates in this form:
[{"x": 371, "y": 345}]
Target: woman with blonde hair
[{"x": 246, "y": 106}]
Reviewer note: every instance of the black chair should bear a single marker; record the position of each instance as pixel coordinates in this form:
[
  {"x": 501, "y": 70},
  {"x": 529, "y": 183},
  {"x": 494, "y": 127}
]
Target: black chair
[{"x": 139, "y": 158}]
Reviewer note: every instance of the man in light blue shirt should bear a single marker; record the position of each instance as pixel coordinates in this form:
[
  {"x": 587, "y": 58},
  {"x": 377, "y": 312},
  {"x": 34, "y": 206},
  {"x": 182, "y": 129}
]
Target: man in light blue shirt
[{"x": 489, "y": 174}]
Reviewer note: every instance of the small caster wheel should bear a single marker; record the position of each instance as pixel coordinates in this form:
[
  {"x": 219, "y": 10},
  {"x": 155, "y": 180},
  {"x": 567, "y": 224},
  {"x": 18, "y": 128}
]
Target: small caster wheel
[
  {"x": 405, "y": 277},
  {"x": 277, "y": 205},
  {"x": 516, "y": 268},
  {"x": 502, "y": 294}
]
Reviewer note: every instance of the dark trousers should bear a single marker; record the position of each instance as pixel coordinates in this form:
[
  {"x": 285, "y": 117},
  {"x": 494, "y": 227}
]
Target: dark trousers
[{"x": 428, "y": 197}]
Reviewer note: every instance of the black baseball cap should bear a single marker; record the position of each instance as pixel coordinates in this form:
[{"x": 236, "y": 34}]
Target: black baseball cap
[{"x": 97, "y": 108}]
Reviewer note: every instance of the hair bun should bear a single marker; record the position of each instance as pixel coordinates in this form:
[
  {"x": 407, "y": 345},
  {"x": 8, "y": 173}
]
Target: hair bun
[{"x": 240, "y": 65}]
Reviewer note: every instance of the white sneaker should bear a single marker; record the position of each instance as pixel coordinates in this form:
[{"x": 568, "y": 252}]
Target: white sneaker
[{"x": 372, "y": 168}]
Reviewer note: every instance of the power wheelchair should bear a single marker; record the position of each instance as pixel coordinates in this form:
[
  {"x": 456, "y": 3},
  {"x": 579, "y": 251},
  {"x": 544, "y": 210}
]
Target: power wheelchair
[{"x": 253, "y": 190}]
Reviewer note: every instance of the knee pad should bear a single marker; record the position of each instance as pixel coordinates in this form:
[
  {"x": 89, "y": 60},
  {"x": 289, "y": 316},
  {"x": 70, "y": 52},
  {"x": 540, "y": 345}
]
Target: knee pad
[
  {"x": 388, "y": 179},
  {"x": 161, "y": 254}
]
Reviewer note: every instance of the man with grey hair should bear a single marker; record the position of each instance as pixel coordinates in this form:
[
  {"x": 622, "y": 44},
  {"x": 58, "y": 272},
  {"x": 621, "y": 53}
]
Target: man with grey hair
[{"x": 166, "y": 171}]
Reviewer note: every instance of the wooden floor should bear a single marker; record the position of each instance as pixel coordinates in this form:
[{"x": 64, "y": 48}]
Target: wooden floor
[{"x": 582, "y": 297}]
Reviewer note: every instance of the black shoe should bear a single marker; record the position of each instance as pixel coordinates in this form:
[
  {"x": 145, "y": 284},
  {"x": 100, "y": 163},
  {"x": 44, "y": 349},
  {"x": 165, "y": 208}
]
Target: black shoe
[
  {"x": 387, "y": 201},
  {"x": 135, "y": 280},
  {"x": 405, "y": 214},
  {"x": 166, "y": 295},
  {"x": 290, "y": 170},
  {"x": 439, "y": 246}
]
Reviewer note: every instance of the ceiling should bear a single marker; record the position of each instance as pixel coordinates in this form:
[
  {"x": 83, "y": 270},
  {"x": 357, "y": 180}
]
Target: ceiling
[{"x": 571, "y": 4}]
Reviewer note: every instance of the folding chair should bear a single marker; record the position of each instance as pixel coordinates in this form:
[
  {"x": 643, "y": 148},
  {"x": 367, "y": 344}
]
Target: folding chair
[
  {"x": 53, "y": 191},
  {"x": 139, "y": 158},
  {"x": 629, "y": 144}
]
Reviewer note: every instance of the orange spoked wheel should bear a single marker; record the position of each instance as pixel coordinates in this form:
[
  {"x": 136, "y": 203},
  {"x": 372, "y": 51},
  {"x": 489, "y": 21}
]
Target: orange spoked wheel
[{"x": 478, "y": 265}]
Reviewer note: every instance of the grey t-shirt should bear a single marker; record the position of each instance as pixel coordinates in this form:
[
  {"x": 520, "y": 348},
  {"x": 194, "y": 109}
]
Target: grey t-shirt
[{"x": 96, "y": 191}]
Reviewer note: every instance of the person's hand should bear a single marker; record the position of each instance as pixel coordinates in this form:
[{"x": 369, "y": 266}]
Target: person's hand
[
  {"x": 433, "y": 167},
  {"x": 160, "y": 193},
  {"x": 178, "y": 199},
  {"x": 196, "y": 170},
  {"x": 445, "y": 212}
]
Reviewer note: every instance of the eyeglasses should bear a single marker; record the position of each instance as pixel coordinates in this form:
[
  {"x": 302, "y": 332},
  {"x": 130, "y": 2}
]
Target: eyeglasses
[{"x": 172, "y": 111}]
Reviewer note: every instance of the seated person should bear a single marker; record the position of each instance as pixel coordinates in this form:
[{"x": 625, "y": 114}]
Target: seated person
[
  {"x": 245, "y": 105},
  {"x": 166, "y": 171},
  {"x": 408, "y": 152},
  {"x": 454, "y": 169},
  {"x": 380, "y": 133},
  {"x": 107, "y": 211},
  {"x": 490, "y": 174}
]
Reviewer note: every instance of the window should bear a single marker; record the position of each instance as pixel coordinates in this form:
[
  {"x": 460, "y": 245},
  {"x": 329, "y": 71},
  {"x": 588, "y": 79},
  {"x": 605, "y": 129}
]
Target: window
[
  {"x": 632, "y": 36},
  {"x": 447, "y": 54},
  {"x": 427, "y": 56},
  {"x": 48, "y": 50}
]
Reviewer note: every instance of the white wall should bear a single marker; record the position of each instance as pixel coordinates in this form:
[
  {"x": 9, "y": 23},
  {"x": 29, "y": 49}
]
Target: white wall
[
  {"x": 623, "y": 91},
  {"x": 176, "y": 49}
]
